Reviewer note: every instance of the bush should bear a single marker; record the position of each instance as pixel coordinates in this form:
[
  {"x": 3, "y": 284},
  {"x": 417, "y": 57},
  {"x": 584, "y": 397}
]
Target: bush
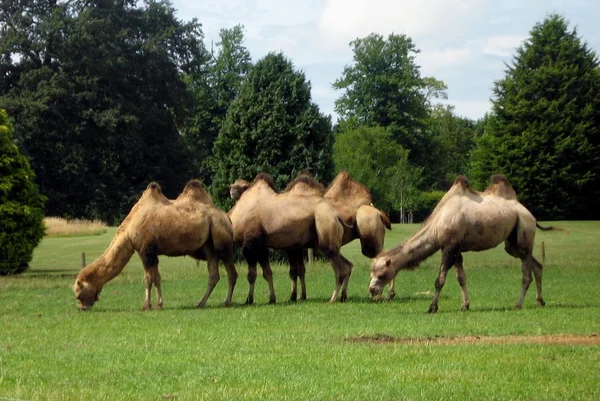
[
  {"x": 21, "y": 205},
  {"x": 428, "y": 202}
]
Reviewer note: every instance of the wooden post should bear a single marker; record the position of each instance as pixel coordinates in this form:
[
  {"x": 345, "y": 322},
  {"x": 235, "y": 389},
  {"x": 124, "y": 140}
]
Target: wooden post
[
  {"x": 543, "y": 251},
  {"x": 82, "y": 260},
  {"x": 311, "y": 255}
]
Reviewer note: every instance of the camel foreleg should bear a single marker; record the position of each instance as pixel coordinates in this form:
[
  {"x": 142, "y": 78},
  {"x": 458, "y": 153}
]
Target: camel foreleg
[
  {"x": 448, "y": 260},
  {"x": 391, "y": 293}
]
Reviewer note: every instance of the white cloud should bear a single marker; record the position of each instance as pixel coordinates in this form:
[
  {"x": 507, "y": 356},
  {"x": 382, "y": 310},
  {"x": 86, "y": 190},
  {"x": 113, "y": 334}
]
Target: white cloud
[
  {"x": 501, "y": 46},
  {"x": 470, "y": 109},
  {"x": 345, "y": 20}
]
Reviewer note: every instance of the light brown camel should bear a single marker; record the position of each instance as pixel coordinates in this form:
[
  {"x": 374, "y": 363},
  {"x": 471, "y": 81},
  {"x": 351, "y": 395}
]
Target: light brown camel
[
  {"x": 263, "y": 218},
  {"x": 353, "y": 204},
  {"x": 189, "y": 225},
  {"x": 463, "y": 221}
]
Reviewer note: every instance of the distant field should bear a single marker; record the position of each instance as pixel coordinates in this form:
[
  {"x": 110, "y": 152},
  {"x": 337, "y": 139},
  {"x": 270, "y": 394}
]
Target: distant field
[
  {"x": 59, "y": 227},
  {"x": 309, "y": 350}
]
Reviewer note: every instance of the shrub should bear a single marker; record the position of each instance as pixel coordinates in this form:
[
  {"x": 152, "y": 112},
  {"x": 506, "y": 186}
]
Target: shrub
[{"x": 21, "y": 205}]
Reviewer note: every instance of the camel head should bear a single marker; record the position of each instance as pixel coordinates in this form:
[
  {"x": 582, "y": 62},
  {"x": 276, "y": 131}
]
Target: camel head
[
  {"x": 382, "y": 273},
  {"x": 237, "y": 189},
  {"x": 86, "y": 293}
]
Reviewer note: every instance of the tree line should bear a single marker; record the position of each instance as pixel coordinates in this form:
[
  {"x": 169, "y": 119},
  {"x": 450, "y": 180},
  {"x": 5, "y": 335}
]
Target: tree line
[{"x": 104, "y": 97}]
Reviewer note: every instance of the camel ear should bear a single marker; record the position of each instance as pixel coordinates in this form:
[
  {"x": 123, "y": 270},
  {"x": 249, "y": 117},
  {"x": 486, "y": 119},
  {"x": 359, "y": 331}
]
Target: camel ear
[{"x": 388, "y": 262}]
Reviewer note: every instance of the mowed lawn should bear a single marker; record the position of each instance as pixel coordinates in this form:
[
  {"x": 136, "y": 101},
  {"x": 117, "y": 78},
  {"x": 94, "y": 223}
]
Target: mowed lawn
[{"x": 312, "y": 350}]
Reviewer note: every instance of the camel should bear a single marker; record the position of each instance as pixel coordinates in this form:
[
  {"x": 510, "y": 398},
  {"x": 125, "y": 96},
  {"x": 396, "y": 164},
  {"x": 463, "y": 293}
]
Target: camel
[
  {"x": 354, "y": 205},
  {"x": 465, "y": 220},
  {"x": 262, "y": 218},
  {"x": 189, "y": 225}
]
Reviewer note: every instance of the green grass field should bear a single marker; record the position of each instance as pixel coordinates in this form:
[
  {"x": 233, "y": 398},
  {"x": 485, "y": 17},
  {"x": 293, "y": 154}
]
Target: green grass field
[{"x": 309, "y": 350}]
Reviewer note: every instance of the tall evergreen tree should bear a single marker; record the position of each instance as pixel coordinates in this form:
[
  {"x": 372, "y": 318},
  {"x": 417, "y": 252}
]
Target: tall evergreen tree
[
  {"x": 21, "y": 205},
  {"x": 273, "y": 126},
  {"x": 97, "y": 94},
  {"x": 544, "y": 132},
  {"x": 214, "y": 88},
  {"x": 383, "y": 87}
]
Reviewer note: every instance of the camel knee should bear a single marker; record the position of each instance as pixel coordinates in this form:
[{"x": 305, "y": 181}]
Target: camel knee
[{"x": 252, "y": 276}]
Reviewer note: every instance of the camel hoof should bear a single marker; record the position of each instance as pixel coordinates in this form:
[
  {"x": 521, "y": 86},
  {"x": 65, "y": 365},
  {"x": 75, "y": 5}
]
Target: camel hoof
[
  {"x": 199, "y": 305},
  {"x": 293, "y": 297},
  {"x": 390, "y": 296},
  {"x": 344, "y": 298},
  {"x": 227, "y": 304},
  {"x": 541, "y": 302},
  {"x": 272, "y": 301},
  {"x": 249, "y": 301},
  {"x": 303, "y": 297},
  {"x": 465, "y": 308},
  {"x": 146, "y": 307},
  {"x": 518, "y": 306},
  {"x": 432, "y": 309},
  {"x": 158, "y": 307}
]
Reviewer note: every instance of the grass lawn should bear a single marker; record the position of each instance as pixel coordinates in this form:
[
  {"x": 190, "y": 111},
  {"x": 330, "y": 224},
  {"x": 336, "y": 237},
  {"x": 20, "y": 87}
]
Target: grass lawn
[{"x": 309, "y": 350}]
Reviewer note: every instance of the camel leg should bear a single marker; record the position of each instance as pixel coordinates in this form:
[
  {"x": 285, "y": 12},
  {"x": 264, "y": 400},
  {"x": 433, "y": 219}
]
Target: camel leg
[
  {"x": 302, "y": 277},
  {"x": 213, "y": 278},
  {"x": 537, "y": 270},
  {"x": 293, "y": 261},
  {"x": 267, "y": 273},
  {"x": 231, "y": 278},
  {"x": 251, "y": 260},
  {"x": 149, "y": 255},
  {"x": 462, "y": 281},
  {"x": 339, "y": 276},
  {"x": 347, "y": 266},
  {"x": 525, "y": 280},
  {"x": 448, "y": 258}
]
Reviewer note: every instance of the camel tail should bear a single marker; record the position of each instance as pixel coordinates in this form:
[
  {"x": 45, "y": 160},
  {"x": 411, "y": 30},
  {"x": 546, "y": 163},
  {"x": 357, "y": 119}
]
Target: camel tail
[
  {"x": 549, "y": 228},
  {"x": 385, "y": 219}
]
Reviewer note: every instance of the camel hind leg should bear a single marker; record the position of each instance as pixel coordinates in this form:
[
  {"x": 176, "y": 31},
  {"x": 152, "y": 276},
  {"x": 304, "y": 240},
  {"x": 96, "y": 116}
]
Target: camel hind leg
[
  {"x": 462, "y": 281},
  {"x": 212, "y": 263},
  {"x": 231, "y": 277},
  {"x": 347, "y": 271},
  {"x": 529, "y": 266},
  {"x": 297, "y": 271}
]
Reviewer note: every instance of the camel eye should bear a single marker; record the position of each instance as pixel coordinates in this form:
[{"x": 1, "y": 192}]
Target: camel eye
[{"x": 381, "y": 277}]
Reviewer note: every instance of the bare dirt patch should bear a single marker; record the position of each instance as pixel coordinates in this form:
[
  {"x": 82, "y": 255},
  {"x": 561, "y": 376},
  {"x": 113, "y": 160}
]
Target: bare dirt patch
[{"x": 553, "y": 339}]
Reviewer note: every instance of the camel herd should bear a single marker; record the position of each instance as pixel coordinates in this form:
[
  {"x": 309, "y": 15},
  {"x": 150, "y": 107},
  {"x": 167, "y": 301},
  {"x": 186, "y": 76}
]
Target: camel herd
[{"x": 308, "y": 215}]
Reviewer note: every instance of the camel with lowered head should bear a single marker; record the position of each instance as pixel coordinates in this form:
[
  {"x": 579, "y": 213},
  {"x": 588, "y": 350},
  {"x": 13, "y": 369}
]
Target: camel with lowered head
[
  {"x": 262, "y": 218},
  {"x": 354, "y": 205},
  {"x": 465, "y": 220},
  {"x": 189, "y": 225}
]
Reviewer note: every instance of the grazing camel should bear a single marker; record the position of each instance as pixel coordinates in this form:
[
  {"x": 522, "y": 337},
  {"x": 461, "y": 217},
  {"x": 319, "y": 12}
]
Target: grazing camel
[
  {"x": 263, "y": 218},
  {"x": 189, "y": 225},
  {"x": 353, "y": 204},
  {"x": 463, "y": 221}
]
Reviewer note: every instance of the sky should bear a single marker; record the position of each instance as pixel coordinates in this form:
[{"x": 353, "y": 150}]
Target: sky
[{"x": 464, "y": 43}]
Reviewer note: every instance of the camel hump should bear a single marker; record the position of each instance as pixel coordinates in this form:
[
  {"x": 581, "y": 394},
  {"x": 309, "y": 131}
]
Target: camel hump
[
  {"x": 462, "y": 181},
  {"x": 305, "y": 178},
  {"x": 154, "y": 186},
  {"x": 267, "y": 178},
  {"x": 500, "y": 186},
  {"x": 194, "y": 183}
]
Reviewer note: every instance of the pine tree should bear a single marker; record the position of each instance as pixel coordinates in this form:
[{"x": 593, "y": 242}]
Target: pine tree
[
  {"x": 21, "y": 205},
  {"x": 273, "y": 126},
  {"x": 544, "y": 131}
]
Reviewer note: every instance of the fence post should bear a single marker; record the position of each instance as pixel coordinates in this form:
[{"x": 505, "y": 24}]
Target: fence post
[
  {"x": 82, "y": 260},
  {"x": 311, "y": 255},
  {"x": 543, "y": 251}
]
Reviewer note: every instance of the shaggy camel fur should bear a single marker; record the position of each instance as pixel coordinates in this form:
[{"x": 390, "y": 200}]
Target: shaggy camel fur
[
  {"x": 353, "y": 204},
  {"x": 263, "y": 218},
  {"x": 463, "y": 221},
  {"x": 189, "y": 225}
]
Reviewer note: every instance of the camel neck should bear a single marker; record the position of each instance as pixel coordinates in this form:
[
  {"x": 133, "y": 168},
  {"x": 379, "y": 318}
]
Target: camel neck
[
  {"x": 111, "y": 262},
  {"x": 414, "y": 250}
]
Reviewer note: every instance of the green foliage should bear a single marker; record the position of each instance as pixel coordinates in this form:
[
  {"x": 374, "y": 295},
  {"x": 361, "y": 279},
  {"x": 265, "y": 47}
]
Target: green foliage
[
  {"x": 21, "y": 205},
  {"x": 97, "y": 94},
  {"x": 214, "y": 88},
  {"x": 272, "y": 126},
  {"x": 544, "y": 132},
  {"x": 371, "y": 156},
  {"x": 384, "y": 87},
  {"x": 455, "y": 137}
]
